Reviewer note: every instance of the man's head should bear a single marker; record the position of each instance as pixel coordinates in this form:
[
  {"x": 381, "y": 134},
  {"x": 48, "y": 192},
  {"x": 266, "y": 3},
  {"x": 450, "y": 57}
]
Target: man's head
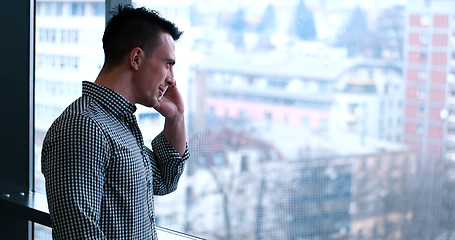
[{"x": 134, "y": 27}]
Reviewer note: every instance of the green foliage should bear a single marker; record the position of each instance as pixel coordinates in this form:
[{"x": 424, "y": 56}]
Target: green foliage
[
  {"x": 304, "y": 24},
  {"x": 267, "y": 23}
]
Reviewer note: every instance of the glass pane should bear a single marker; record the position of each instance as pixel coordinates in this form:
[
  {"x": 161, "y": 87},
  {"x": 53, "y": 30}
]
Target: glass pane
[
  {"x": 41, "y": 232},
  {"x": 68, "y": 51},
  {"x": 307, "y": 119},
  {"x": 315, "y": 119}
]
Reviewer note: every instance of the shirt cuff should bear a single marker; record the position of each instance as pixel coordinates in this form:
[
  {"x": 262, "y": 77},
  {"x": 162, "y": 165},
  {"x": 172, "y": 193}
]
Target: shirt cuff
[{"x": 164, "y": 150}]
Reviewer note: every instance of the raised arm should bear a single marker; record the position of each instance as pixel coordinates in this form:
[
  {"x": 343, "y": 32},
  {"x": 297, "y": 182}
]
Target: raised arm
[{"x": 172, "y": 108}]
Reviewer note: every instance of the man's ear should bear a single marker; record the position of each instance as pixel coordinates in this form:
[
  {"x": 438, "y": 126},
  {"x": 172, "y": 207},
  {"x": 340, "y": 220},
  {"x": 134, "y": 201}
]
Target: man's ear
[{"x": 135, "y": 58}]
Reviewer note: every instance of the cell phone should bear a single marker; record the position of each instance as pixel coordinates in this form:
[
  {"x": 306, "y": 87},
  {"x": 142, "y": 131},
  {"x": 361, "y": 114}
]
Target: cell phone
[{"x": 159, "y": 98}]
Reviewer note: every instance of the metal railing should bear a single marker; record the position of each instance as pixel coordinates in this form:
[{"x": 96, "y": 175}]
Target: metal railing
[{"x": 32, "y": 206}]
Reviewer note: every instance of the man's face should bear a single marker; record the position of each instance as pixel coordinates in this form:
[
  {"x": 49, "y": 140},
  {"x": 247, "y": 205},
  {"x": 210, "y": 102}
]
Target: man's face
[{"x": 156, "y": 72}]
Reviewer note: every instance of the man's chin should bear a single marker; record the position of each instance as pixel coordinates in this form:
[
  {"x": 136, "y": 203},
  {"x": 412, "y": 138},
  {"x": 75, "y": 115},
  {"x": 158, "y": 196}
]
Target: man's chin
[{"x": 152, "y": 103}]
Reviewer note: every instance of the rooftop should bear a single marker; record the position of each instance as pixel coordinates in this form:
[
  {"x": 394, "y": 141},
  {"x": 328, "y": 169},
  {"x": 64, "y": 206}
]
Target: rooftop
[{"x": 276, "y": 65}]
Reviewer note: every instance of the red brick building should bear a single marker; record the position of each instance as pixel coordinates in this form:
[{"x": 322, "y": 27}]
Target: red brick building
[{"x": 428, "y": 70}]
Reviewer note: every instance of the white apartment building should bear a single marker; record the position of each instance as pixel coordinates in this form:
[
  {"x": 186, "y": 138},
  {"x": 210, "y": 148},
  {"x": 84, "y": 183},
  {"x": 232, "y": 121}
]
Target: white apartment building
[
  {"x": 369, "y": 101},
  {"x": 68, "y": 50}
]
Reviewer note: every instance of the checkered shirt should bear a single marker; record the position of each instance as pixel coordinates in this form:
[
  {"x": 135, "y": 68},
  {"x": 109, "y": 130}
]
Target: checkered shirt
[{"x": 100, "y": 177}]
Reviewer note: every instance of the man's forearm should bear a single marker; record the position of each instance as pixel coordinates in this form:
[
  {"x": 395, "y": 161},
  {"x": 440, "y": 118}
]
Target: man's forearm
[{"x": 175, "y": 133}]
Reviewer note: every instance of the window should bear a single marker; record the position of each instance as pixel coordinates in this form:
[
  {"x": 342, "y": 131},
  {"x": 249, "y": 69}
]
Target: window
[
  {"x": 423, "y": 56},
  {"x": 353, "y": 108},
  {"x": 247, "y": 54},
  {"x": 421, "y": 108},
  {"x": 424, "y": 38},
  {"x": 60, "y": 69},
  {"x": 268, "y": 116},
  {"x": 244, "y": 164},
  {"x": 46, "y": 35},
  {"x": 421, "y": 92},
  {"x": 420, "y": 128},
  {"x": 422, "y": 74},
  {"x": 69, "y": 36},
  {"x": 78, "y": 8},
  {"x": 425, "y": 19}
]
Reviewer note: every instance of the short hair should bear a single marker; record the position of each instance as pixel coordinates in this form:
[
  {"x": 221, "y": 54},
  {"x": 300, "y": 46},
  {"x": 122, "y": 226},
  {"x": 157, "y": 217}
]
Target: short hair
[{"x": 132, "y": 27}]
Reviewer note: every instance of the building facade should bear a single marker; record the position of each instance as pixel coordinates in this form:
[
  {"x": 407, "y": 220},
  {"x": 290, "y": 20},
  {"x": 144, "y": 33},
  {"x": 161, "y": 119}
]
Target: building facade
[
  {"x": 428, "y": 70},
  {"x": 369, "y": 101}
]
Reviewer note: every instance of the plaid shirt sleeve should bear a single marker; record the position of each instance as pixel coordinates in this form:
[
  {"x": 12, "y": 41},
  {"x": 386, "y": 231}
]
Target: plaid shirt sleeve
[
  {"x": 168, "y": 165},
  {"x": 76, "y": 154}
]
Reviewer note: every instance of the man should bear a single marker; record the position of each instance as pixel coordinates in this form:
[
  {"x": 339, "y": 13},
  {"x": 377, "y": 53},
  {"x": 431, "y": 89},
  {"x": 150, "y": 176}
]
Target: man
[{"x": 100, "y": 177}]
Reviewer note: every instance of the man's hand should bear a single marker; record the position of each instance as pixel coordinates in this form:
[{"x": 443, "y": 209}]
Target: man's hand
[
  {"x": 172, "y": 108},
  {"x": 171, "y": 104}
]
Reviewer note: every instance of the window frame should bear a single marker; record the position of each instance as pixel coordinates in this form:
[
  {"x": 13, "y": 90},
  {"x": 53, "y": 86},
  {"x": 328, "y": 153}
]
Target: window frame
[{"x": 16, "y": 173}]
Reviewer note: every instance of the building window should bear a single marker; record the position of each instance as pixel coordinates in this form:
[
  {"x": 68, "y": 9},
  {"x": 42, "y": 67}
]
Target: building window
[
  {"x": 422, "y": 74},
  {"x": 423, "y": 56},
  {"x": 305, "y": 121},
  {"x": 268, "y": 116},
  {"x": 243, "y": 114},
  {"x": 46, "y": 35},
  {"x": 422, "y": 92},
  {"x": 77, "y": 9},
  {"x": 69, "y": 36},
  {"x": 218, "y": 159},
  {"x": 419, "y": 128},
  {"x": 424, "y": 38},
  {"x": 99, "y": 8},
  {"x": 421, "y": 108},
  {"x": 425, "y": 20},
  {"x": 244, "y": 164}
]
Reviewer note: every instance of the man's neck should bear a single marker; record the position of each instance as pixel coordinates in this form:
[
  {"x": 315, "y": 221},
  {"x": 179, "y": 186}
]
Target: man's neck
[{"x": 118, "y": 80}]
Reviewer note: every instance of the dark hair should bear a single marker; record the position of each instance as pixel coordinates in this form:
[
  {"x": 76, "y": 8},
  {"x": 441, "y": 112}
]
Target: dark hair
[{"x": 132, "y": 27}]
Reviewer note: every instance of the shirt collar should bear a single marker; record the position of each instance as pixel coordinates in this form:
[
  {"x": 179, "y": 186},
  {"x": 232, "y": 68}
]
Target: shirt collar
[{"x": 112, "y": 100}]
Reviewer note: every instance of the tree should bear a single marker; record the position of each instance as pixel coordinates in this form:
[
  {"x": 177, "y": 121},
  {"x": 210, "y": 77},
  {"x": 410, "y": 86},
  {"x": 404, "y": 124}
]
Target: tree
[
  {"x": 390, "y": 32},
  {"x": 266, "y": 27},
  {"x": 356, "y": 37},
  {"x": 267, "y": 24},
  {"x": 237, "y": 28},
  {"x": 304, "y": 24},
  {"x": 234, "y": 182}
]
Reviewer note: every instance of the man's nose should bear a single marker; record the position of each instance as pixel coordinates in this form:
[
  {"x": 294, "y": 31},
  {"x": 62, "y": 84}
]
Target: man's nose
[{"x": 170, "y": 79}]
